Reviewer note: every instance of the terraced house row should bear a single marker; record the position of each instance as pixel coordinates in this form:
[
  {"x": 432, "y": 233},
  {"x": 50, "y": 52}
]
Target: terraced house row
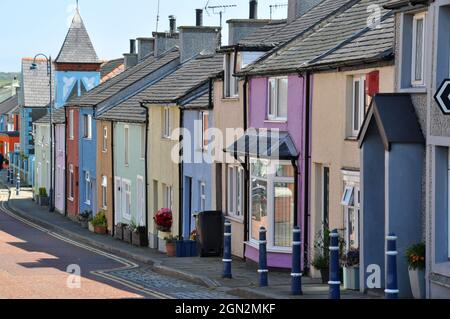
[{"x": 322, "y": 120}]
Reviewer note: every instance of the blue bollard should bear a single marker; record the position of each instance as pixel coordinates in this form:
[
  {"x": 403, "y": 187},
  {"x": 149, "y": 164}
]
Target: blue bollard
[
  {"x": 334, "y": 283},
  {"x": 391, "y": 291},
  {"x": 18, "y": 184},
  {"x": 12, "y": 177},
  {"x": 227, "y": 251},
  {"x": 296, "y": 273},
  {"x": 263, "y": 271},
  {"x": 8, "y": 175}
]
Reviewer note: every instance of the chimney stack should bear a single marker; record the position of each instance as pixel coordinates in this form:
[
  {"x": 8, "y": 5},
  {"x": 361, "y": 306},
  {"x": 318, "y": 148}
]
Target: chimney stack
[
  {"x": 131, "y": 59},
  {"x": 199, "y": 17},
  {"x": 297, "y": 8},
  {"x": 253, "y": 13},
  {"x": 146, "y": 46},
  {"x": 173, "y": 24}
]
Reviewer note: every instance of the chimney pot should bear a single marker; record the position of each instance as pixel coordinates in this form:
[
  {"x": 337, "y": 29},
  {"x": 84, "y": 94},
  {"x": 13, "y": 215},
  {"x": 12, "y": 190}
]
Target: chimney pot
[
  {"x": 253, "y": 13},
  {"x": 173, "y": 24},
  {"x": 199, "y": 17},
  {"x": 132, "y": 46}
]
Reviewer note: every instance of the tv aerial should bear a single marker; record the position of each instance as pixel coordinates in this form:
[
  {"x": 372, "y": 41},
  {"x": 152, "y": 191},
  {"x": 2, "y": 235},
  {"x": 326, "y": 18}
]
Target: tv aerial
[{"x": 276, "y": 6}]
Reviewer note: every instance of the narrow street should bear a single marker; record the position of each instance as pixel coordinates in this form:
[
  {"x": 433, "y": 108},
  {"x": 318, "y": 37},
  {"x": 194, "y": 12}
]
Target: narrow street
[{"x": 37, "y": 263}]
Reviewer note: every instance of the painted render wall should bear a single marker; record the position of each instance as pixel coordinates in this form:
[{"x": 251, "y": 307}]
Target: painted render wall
[
  {"x": 135, "y": 167},
  {"x": 104, "y": 168},
  {"x": 228, "y": 113},
  {"x": 60, "y": 168},
  {"x": 87, "y": 157},
  {"x": 197, "y": 167},
  {"x": 73, "y": 159},
  {"x": 161, "y": 168},
  {"x": 258, "y": 105},
  {"x": 331, "y": 104}
]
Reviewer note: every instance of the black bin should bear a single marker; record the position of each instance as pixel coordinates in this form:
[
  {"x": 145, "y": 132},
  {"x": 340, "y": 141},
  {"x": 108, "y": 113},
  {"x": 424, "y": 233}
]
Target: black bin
[{"x": 210, "y": 233}]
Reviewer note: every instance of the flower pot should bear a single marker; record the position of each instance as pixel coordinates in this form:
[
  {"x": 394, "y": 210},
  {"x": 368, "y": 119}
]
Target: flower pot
[
  {"x": 91, "y": 227},
  {"x": 325, "y": 274},
  {"x": 44, "y": 201},
  {"x": 351, "y": 278},
  {"x": 118, "y": 231},
  {"x": 161, "y": 240},
  {"x": 139, "y": 239},
  {"x": 84, "y": 223},
  {"x": 193, "y": 248},
  {"x": 101, "y": 230},
  {"x": 171, "y": 249},
  {"x": 417, "y": 281},
  {"x": 127, "y": 233},
  {"x": 179, "y": 248}
]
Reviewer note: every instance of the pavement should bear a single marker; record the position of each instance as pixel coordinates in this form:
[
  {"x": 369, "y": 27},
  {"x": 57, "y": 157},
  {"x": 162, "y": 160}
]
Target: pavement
[{"x": 171, "y": 273}]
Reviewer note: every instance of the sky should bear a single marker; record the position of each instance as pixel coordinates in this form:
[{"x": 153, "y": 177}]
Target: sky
[{"x": 28, "y": 27}]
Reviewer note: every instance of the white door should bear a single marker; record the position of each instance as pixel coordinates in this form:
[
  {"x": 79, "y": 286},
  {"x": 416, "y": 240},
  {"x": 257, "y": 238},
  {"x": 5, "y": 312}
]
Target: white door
[{"x": 117, "y": 200}]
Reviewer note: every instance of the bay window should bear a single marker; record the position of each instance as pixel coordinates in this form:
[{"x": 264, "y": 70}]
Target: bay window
[
  {"x": 278, "y": 98},
  {"x": 272, "y": 200}
]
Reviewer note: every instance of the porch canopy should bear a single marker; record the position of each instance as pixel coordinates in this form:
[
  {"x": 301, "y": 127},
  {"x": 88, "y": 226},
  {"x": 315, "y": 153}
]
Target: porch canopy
[
  {"x": 264, "y": 143},
  {"x": 392, "y": 157}
]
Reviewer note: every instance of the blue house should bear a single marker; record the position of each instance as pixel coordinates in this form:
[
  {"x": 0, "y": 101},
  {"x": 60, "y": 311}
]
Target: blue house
[
  {"x": 197, "y": 115},
  {"x": 392, "y": 164},
  {"x": 78, "y": 71}
]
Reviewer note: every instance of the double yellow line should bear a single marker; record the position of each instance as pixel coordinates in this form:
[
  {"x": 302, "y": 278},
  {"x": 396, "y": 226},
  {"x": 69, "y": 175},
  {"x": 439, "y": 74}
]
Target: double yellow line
[{"x": 127, "y": 264}]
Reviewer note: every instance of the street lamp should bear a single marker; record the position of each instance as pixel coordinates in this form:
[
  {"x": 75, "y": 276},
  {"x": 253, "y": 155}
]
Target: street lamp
[{"x": 34, "y": 66}]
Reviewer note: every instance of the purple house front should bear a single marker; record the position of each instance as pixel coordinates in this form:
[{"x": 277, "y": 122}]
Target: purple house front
[{"x": 273, "y": 149}]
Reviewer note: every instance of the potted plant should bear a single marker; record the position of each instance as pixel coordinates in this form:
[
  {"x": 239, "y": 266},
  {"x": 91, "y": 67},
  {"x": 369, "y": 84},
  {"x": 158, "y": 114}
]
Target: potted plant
[
  {"x": 170, "y": 246},
  {"x": 84, "y": 219},
  {"x": 351, "y": 269},
  {"x": 43, "y": 197},
  {"x": 100, "y": 223},
  {"x": 118, "y": 230},
  {"x": 163, "y": 220},
  {"x": 415, "y": 255},
  {"x": 138, "y": 235},
  {"x": 193, "y": 243}
]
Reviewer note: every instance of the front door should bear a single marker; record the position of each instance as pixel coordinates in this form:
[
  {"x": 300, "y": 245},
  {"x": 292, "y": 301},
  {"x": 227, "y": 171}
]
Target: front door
[
  {"x": 117, "y": 200},
  {"x": 187, "y": 206}
]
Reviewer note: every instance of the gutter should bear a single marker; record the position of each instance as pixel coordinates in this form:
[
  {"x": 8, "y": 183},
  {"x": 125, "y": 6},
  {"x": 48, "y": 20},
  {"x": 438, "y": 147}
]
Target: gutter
[
  {"x": 147, "y": 128},
  {"x": 246, "y": 168},
  {"x": 65, "y": 162},
  {"x": 113, "y": 197},
  {"x": 180, "y": 177}
]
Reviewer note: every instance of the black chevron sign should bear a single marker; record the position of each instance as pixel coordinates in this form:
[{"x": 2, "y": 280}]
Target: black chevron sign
[{"x": 442, "y": 97}]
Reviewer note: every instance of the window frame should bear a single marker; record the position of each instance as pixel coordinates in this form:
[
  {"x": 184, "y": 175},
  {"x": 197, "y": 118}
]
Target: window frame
[
  {"x": 416, "y": 17},
  {"x": 140, "y": 205},
  {"x": 71, "y": 124},
  {"x": 71, "y": 192},
  {"x": 276, "y": 116},
  {"x": 202, "y": 196},
  {"x": 104, "y": 187},
  {"x": 231, "y": 83},
  {"x": 87, "y": 126},
  {"x": 126, "y": 194},
  {"x": 351, "y": 180},
  {"x": 204, "y": 140},
  {"x": 126, "y": 145},
  {"x": 105, "y": 139},
  {"x": 166, "y": 134},
  {"x": 167, "y": 196},
  {"x": 361, "y": 79},
  {"x": 235, "y": 190},
  {"x": 143, "y": 142},
  {"x": 271, "y": 179},
  {"x": 88, "y": 188}
]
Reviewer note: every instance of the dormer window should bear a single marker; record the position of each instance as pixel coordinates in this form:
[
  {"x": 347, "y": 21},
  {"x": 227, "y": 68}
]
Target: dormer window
[{"x": 231, "y": 87}]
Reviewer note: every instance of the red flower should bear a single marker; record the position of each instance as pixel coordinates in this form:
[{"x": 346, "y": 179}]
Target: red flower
[{"x": 163, "y": 219}]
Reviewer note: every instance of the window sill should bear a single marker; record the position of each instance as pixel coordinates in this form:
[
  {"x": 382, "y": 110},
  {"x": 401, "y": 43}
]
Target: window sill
[
  {"x": 234, "y": 218},
  {"x": 277, "y": 121},
  {"x": 230, "y": 99},
  {"x": 270, "y": 249},
  {"x": 413, "y": 89},
  {"x": 70, "y": 199},
  {"x": 88, "y": 203},
  {"x": 351, "y": 139},
  {"x": 442, "y": 268}
]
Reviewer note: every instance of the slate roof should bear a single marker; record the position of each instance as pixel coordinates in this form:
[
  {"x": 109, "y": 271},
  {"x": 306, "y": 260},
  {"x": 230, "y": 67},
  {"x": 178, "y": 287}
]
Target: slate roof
[
  {"x": 396, "y": 120},
  {"x": 111, "y": 87},
  {"x": 338, "y": 32},
  {"x": 9, "y": 104},
  {"x": 263, "y": 143},
  {"x": 110, "y": 66},
  {"x": 192, "y": 74},
  {"x": 201, "y": 102},
  {"x": 35, "y": 86},
  {"x": 77, "y": 47},
  {"x": 396, "y": 4},
  {"x": 129, "y": 110},
  {"x": 59, "y": 117},
  {"x": 279, "y": 31}
]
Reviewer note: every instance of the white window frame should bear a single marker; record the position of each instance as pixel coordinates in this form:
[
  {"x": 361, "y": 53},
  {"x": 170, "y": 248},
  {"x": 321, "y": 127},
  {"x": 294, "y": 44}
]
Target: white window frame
[
  {"x": 167, "y": 196},
  {"x": 202, "y": 196},
  {"x": 276, "y": 116},
  {"x": 143, "y": 141},
  {"x": 104, "y": 187},
  {"x": 166, "y": 123},
  {"x": 351, "y": 201},
  {"x": 416, "y": 18},
  {"x": 271, "y": 180},
  {"x": 71, "y": 183},
  {"x": 231, "y": 83},
  {"x": 105, "y": 139},
  {"x": 126, "y": 199},
  {"x": 126, "y": 143},
  {"x": 71, "y": 124},
  {"x": 87, "y": 126},
  {"x": 361, "y": 79},
  {"x": 204, "y": 137},
  {"x": 140, "y": 205},
  {"x": 88, "y": 187},
  {"x": 235, "y": 191}
]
